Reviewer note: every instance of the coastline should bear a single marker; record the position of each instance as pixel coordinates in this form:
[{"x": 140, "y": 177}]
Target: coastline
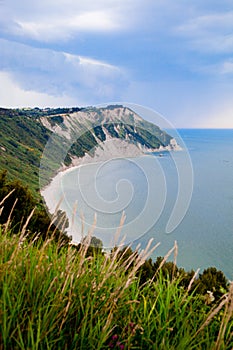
[
  {"x": 111, "y": 148},
  {"x": 197, "y": 235},
  {"x": 107, "y": 150}
]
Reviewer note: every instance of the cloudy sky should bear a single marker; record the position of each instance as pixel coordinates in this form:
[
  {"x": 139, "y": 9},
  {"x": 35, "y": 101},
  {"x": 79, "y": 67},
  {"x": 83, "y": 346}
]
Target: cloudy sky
[{"x": 175, "y": 57}]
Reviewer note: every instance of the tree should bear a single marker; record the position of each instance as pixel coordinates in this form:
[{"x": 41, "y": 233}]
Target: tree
[
  {"x": 19, "y": 205},
  {"x": 212, "y": 280}
]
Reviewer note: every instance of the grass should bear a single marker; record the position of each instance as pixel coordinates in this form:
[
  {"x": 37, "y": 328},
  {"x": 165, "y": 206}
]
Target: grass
[{"x": 53, "y": 297}]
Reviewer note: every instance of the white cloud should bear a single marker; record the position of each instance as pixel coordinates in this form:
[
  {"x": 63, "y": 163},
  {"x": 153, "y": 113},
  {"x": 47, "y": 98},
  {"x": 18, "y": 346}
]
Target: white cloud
[
  {"x": 13, "y": 96},
  {"x": 80, "y": 60},
  {"x": 227, "y": 67},
  {"x": 48, "y": 28},
  {"x": 209, "y": 33},
  {"x": 154, "y": 39},
  {"x": 217, "y": 21},
  {"x": 58, "y": 73},
  {"x": 223, "y": 68},
  {"x": 61, "y": 20}
]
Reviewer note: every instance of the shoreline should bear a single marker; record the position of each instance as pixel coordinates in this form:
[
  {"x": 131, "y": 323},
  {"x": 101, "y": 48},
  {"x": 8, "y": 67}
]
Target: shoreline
[{"x": 108, "y": 150}]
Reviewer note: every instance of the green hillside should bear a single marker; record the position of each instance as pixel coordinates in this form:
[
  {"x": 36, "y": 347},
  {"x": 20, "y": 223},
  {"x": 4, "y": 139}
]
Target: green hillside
[
  {"x": 22, "y": 140},
  {"x": 23, "y": 136}
]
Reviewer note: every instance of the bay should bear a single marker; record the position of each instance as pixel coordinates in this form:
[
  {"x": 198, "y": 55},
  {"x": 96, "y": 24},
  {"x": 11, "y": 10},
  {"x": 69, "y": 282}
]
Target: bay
[{"x": 145, "y": 190}]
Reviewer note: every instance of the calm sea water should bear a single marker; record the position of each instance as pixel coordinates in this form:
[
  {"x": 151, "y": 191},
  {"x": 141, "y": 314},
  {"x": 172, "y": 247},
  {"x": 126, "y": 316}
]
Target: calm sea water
[{"x": 146, "y": 188}]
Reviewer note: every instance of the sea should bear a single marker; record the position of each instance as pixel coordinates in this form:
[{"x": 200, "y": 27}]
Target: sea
[{"x": 184, "y": 197}]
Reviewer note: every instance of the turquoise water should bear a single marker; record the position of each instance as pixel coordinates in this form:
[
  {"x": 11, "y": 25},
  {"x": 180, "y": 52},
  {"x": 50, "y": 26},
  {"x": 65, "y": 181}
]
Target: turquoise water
[{"x": 145, "y": 188}]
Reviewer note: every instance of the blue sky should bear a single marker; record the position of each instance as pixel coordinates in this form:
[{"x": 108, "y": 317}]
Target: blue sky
[{"x": 175, "y": 57}]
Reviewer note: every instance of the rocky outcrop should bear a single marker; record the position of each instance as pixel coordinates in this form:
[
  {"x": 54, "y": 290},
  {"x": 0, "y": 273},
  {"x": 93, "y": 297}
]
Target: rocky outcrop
[{"x": 101, "y": 133}]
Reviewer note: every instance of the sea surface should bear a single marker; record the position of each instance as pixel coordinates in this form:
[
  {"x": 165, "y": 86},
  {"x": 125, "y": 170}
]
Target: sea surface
[{"x": 145, "y": 190}]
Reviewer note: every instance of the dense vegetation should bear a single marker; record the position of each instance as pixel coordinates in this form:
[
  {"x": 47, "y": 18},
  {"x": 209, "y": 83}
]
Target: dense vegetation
[
  {"x": 16, "y": 206},
  {"x": 54, "y": 295},
  {"x": 22, "y": 140}
]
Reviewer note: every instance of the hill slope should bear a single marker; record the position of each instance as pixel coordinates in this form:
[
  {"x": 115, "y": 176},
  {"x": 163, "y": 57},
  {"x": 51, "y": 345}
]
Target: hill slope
[{"x": 75, "y": 132}]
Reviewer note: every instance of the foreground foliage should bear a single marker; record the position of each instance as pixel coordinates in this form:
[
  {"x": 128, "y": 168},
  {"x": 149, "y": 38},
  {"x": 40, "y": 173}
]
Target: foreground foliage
[{"x": 55, "y": 297}]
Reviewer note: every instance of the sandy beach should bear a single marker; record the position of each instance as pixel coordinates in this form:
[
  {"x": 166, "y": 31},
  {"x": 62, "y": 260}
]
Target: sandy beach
[{"x": 54, "y": 195}]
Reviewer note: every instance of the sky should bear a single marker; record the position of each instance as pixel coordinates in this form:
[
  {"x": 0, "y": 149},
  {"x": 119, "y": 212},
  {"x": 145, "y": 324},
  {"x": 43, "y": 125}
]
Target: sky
[{"x": 175, "y": 57}]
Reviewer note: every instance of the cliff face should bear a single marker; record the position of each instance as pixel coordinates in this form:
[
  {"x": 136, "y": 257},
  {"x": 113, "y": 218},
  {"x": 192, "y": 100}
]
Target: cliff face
[
  {"x": 36, "y": 139},
  {"x": 102, "y": 132}
]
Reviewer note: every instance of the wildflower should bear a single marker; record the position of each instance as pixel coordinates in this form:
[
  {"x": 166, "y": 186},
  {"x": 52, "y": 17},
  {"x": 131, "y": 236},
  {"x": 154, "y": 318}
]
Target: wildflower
[
  {"x": 209, "y": 297},
  {"x": 113, "y": 341},
  {"x": 131, "y": 325},
  {"x": 115, "y": 337},
  {"x": 120, "y": 346}
]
